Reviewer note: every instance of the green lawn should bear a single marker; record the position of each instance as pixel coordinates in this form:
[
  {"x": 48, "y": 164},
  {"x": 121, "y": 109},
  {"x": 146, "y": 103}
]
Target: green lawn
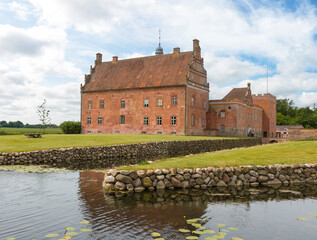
[
  {"x": 20, "y": 131},
  {"x": 20, "y": 143},
  {"x": 269, "y": 154}
]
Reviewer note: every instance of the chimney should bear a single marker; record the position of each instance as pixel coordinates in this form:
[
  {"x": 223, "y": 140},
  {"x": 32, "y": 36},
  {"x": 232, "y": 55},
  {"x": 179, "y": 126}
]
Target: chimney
[
  {"x": 196, "y": 48},
  {"x": 98, "y": 58},
  {"x": 176, "y": 51},
  {"x": 249, "y": 85},
  {"x": 114, "y": 59}
]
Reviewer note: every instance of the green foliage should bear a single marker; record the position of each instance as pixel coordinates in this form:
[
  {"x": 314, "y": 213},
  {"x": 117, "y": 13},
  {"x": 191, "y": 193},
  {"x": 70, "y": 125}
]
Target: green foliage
[
  {"x": 288, "y": 114},
  {"x": 71, "y": 127},
  {"x": 44, "y": 114},
  {"x": 21, "y": 131}
]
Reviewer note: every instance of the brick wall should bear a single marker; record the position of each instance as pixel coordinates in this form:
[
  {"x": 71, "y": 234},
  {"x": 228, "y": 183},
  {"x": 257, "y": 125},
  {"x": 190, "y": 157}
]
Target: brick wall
[{"x": 302, "y": 134}]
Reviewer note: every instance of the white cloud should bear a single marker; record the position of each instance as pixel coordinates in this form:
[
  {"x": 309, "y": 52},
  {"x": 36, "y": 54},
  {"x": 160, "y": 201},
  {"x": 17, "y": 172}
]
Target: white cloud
[
  {"x": 21, "y": 10},
  {"x": 307, "y": 99}
]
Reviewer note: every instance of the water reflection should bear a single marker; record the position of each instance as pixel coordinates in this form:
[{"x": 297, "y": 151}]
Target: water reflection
[{"x": 136, "y": 215}]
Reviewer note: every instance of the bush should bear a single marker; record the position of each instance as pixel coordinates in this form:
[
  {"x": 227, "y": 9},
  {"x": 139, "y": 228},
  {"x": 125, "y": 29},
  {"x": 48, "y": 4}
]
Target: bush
[{"x": 71, "y": 127}]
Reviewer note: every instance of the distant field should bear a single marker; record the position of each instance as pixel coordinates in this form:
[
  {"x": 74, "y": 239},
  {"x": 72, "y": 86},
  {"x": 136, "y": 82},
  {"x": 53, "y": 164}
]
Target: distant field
[
  {"x": 268, "y": 154},
  {"x": 19, "y": 131},
  {"x": 20, "y": 143}
]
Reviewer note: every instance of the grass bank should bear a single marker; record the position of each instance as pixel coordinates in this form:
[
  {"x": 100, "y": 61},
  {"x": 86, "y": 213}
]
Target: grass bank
[
  {"x": 269, "y": 154},
  {"x": 21, "y": 131},
  {"x": 19, "y": 143}
]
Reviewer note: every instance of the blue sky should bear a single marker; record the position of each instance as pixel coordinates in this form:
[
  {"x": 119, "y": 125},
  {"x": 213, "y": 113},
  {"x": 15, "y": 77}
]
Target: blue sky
[{"x": 47, "y": 46}]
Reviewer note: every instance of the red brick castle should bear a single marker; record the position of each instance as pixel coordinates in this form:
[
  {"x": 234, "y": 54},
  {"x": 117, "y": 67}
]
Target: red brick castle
[{"x": 168, "y": 94}]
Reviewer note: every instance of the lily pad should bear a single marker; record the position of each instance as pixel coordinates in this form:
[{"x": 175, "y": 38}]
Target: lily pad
[
  {"x": 159, "y": 239},
  {"x": 233, "y": 228},
  {"x": 302, "y": 219},
  {"x": 192, "y": 237},
  {"x": 196, "y": 225},
  {"x": 237, "y": 238},
  {"x": 199, "y": 232},
  {"x": 85, "y": 230},
  {"x": 71, "y": 234},
  {"x": 51, "y": 235},
  {"x": 183, "y": 230},
  {"x": 11, "y": 238},
  {"x": 211, "y": 238},
  {"x": 221, "y": 225},
  {"x": 193, "y": 220},
  {"x": 84, "y": 222},
  {"x": 155, "y": 234},
  {"x": 209, "y": 231},
  {"x": 69, "y": 228}
]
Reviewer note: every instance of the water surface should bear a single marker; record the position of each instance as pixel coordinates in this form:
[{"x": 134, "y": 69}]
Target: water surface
[{"x": 33, "y": 205}]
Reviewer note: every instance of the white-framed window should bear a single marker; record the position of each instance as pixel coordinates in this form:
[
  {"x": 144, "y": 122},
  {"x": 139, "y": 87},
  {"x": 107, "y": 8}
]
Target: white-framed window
[
  {"x": 146, "y": 102},
  {"x": 203, "y": 122},
  {"x": 193, "y": 101},
  {"x": 99, "y": 120},
  {"x": 146, "y": 121},
  {"x": 159, "y": 102},
  {"x": 122, "y": 103},
  {"x": 174, "y": 101},
  {"x": 193, "y": 120},
  {"x": 222, "y": 114},
  {"x": 99, "y": 131},
  {"x": 205, "y": 104},
  {"x": 222, "y": 127},
  {"x": 173, "y": 120},
  {"x": 159, "y": 120},
  {"x": 88, "y": 120},
  {"x": 90, "y": 105},
  {"x": 122, "y": 119},
  {"x": 101, "y": 104}
]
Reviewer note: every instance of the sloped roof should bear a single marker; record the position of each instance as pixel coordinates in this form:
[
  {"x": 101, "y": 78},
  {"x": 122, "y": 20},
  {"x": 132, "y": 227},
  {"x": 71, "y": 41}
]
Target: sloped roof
[
  {"x": 284, "y": 128},
  {"x": 152, "y": 71},
  {"x": 236, "y": 93}
]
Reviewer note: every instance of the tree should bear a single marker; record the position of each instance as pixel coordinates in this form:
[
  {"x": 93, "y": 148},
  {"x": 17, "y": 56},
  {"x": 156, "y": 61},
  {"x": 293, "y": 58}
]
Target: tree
[
  {"x": 71, "y": 127},
  {"x": 43, "y": 114}
]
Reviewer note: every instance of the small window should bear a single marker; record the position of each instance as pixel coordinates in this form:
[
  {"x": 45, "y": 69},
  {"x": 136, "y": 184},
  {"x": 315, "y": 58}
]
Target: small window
[
  {"x": 143, "y": 132},
  {"x": 173, "y": 133},
  {"x": 222, "y": 114},
  {"x": 160, "y": 133},
  {"x": 193, "y": 101},
  {"x": 89, "y": 105},
  {"x": 205, "y": 104},
  {"x": 122, "y": 103},
  {"x": 99, "y": 120},
  {"x": 101, "y": 104},
  {"x": 174, "y": 101},
  {"x": 159, "y": 120},
  {"x": 146, "y": 102},
  {"x": 203, "y": 122},
  {"x": 173, "y": 120},
  {"x": 159, "y": 102},
  {"x": 122, "y": 119},
  {"x": 229, "y": 107},
  {"x": 117, "y": 132},
  {"x": 88, "y": 131},
  {"x": 193, "y": 120},
  {"x": 243, "y": 115},
  {"x": 146, "y": 121},
  {"x": 88, "y": 120},
  {"x": 99, "y": 131},
  {"x": 222, "y": 128}
]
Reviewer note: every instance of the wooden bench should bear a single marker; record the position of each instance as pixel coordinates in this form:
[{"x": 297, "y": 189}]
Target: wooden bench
[{"x": 33, "y": 135}]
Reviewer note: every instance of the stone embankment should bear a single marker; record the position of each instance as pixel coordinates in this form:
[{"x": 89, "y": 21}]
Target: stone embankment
[
  {"x": 202, "y": 178},
  {"x": 116, "y": 155}
]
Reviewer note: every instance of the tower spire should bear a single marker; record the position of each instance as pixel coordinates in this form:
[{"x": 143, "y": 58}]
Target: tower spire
[{"x": 159, "y": 49}]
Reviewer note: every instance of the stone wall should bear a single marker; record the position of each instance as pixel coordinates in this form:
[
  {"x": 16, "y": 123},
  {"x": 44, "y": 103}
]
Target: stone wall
[
  {"x": 302, "y": 134},
  {"x": 202, "y": 178},
  {"x": 110, "y": 156}
]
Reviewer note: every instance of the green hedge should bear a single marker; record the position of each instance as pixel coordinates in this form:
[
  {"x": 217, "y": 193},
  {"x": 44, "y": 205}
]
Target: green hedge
[{"x": 71, "y": 127}]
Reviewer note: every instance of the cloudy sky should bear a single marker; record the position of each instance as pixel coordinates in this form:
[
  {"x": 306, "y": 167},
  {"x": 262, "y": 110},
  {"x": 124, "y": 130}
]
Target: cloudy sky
[{"x": 46, "y": 47}]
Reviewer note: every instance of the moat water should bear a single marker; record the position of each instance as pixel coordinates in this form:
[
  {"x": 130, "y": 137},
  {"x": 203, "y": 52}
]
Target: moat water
[{"x": 33, "y": 205}]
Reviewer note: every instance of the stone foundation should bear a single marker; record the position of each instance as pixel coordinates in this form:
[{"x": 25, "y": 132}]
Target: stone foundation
[
  {"x": 202, "y": 178},
  {"x": 111, "y": 156}
]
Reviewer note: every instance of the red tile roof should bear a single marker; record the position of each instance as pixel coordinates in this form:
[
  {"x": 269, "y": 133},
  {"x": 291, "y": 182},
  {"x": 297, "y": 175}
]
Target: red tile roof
[
  {"x": 152, "y": 71},
  {"x": 236, "y": 93}
]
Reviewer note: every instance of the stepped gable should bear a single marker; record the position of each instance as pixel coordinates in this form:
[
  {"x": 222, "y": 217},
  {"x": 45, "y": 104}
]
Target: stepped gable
[
  {"x": 242, "y": 94},
  {"x": 151, "y": 71}
]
